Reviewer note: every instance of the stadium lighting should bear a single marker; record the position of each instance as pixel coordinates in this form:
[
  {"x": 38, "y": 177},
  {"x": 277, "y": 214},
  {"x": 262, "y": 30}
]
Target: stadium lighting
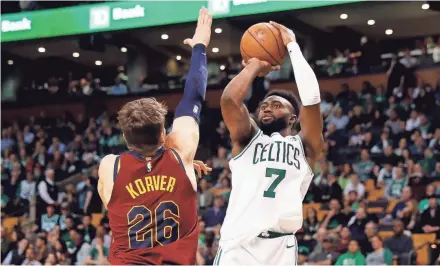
[
  {"x": 123, "y": 49},
  {"x": 218, "y": 30},
  {"x": 344, "y": 16},
  {"x": 98, "y": 63},
  {"x": 164, "y": 36},
  {"x": 41, "y": 49},
  {"x": 371, "y": 22},
  {"x": 75, "y": 54},
  {"x": 389, "y": 32},
  {"x": 215, "y": 50},
  {"x": 222, "y": 67},
  {"x": 425, "y": 6},
  {"x": 178, "y": 58},
  {"x": 10, "y": 62}
]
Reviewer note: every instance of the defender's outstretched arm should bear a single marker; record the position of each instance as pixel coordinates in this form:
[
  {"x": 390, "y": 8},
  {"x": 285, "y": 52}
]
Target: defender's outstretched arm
[{"x": 184, "y": 136}]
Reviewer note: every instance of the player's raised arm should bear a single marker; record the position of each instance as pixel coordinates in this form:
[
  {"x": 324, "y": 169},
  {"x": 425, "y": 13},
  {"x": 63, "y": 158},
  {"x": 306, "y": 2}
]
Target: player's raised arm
[
  {"x": 184, "y": 137},
  {"x": 308, "y": 88},
  {"x": 235, "y": 114}
]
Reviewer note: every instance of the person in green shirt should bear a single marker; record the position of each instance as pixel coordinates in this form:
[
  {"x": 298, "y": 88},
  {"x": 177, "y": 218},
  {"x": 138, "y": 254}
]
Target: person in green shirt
[
  {"x": 380, "y": 255},
  {"x": 353, "y": 256},
  {"x": 98, "y": 254}
]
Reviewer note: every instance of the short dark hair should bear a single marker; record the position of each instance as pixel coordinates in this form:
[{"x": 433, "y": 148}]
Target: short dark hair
[
  {"x": 288, "y": 95},
  {"x": 142, "y": 122}
]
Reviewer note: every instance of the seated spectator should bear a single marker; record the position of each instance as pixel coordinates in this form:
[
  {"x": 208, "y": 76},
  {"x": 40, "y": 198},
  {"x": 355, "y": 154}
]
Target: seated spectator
[
  {"x": 353, "y": 256},
  {"x": 413, "y": 121},
  {"x": 424, "y": 203},
  {"x": 428, "y": 162},
  {"x": 380, "y": 255},
  {"x": 328, "y": 255},
  {"x": 334, "y": 191},
  {"x": 370, "y": 231},
  {"x": 27, "y": 190},
  {"x": 345, "y": 237},
  {"x": 98, "y": 254},
  {"x": 344, "y": 176},
  {"x": 364, "y": 167},
  {"x": 335, "y": 219},
  {"x": 30, "y": 258},
  {"x": 356, "y": 185},
  {"x": 17, "y": 255},
  {"x": 385, "y": 177},
  {"x": 400, "y": 244},
  {"x": 204, "y": 195},
  {"x": 49, "y": 220},
  {"x": 80, "y": 250},
  {"x": 408, "y": 215},
  {"x": 337, "y": 118},
  {"x": 357, "y": 224},
  {"x": 430, "y": 219},
  {"x": 40, "y": 249},
  {"x": 311, "y": 223},
  {"x": 417, "y": 181},
  {"x": 87, "y": 229},
  {"x": 216, "y": 214},
  {"x": 351, "y": 202},
  {"x": 394, "y": 190}
]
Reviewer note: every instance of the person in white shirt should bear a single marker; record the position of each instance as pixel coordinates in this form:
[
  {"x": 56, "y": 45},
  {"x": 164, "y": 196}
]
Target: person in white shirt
[
  {"x": 27, "y": 190},
  {"x": 413, "y": 121},
  {"x": 355, "y": 185},
  {"x": 408, "y": 61},
  {"x": 48, "y": 193}
]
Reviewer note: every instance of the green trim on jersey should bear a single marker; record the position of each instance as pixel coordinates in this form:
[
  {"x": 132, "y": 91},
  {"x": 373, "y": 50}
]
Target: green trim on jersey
[{"x": 248, "y": 145}]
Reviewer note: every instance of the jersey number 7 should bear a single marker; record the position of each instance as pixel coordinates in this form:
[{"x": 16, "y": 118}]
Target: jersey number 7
[
  {"x": 280, "y": 175},
  {"x": 146, "y": 232}
]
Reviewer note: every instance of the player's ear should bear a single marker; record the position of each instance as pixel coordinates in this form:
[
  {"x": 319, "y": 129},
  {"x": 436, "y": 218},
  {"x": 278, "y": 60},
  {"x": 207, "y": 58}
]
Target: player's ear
[
  {"x": 123, "y": 135},
  {"x": 292, "y": 120},
  {"x": 163, "y": 136}
]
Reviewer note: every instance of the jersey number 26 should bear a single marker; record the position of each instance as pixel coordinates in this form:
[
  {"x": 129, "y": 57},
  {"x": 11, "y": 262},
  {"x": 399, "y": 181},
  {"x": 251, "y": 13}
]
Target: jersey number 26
[{"x": 147, "y": 231}]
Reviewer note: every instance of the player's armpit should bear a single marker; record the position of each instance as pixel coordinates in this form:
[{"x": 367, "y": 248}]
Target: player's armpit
[{"x": 184, "y": 138}]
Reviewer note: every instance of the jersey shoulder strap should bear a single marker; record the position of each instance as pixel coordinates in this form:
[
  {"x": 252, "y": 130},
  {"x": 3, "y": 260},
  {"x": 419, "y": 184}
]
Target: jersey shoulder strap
[{"x": 116, "y": 167}]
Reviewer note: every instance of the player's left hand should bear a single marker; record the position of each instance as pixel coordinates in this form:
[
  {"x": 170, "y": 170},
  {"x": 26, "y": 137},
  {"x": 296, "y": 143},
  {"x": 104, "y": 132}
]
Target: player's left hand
[
  {"x": 200, "y": 167},
  {"x": 286, "y": 33},
  {"x": 203, "y": 30}
]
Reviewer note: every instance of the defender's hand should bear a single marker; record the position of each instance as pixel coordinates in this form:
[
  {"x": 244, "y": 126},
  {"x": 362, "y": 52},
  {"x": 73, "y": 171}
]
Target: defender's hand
[
  {"x": 263, "y": 67},
  {"x": 286, "y": 33},
  {"x": 203, "y": 30},
  {"x": 200, "y": 167}
]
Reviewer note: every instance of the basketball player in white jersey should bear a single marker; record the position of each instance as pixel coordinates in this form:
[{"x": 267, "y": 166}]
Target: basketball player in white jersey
[{"x": 270, "y": 167}]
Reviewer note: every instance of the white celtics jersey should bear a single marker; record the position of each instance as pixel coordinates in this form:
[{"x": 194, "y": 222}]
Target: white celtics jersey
[{"x": 270, "y": 178}]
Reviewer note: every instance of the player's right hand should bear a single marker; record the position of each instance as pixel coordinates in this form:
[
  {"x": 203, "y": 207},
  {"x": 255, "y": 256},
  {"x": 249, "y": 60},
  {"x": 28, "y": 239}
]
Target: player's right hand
[
  {"x": 262, "y": 66},
  {"x": 203, "y": 30},
  {"x": 200, "y": 167},
  {"x": 286, "y": 33}
]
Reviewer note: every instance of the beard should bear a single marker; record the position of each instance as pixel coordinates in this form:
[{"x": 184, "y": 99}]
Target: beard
[{"x": 277, "y": 125}]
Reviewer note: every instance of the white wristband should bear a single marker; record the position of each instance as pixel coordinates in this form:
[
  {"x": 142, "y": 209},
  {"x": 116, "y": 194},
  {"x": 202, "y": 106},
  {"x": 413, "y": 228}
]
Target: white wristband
[{"x": 308, "y": 86}]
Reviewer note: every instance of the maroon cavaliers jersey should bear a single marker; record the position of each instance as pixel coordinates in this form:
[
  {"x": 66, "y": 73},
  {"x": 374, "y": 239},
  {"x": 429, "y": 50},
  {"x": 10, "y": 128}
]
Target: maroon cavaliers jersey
[{"x": 152, "y": 211}]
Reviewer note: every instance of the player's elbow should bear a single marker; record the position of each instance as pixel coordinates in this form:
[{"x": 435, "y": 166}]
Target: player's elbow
[{"x": 227, "y": 99}]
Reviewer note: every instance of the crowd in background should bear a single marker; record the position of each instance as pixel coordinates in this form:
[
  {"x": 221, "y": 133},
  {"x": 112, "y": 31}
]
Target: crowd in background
[
  {"x": 366, "y": 58},
  {"x": 387, "y": 133}
]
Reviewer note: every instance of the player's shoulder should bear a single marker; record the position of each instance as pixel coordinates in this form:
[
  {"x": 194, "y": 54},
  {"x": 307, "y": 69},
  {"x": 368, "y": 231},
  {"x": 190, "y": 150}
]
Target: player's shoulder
[{"x": 107, "y": 163}]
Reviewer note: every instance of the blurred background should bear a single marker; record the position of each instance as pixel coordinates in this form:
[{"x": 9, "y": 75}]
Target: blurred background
[{"x": 67, "y": 67}]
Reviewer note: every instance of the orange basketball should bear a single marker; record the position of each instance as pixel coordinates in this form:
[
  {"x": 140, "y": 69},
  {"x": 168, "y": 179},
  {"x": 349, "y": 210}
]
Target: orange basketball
[{"x": 264, "y": 42}]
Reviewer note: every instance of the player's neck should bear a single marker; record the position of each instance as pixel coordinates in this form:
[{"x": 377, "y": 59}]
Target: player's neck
[
  {"x": 149, "y": 154},
  {"x": 285, "y": 132}
]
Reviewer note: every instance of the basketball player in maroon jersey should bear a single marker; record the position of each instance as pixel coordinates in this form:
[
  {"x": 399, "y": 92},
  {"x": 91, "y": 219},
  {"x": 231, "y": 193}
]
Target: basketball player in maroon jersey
[{"x": 150, "y": 191}]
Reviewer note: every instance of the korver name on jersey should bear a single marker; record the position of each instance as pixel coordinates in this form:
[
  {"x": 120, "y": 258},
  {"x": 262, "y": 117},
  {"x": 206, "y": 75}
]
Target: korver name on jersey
[
  {"x": 277, "y": 151},
  {"x": 151, "y": 183}
]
